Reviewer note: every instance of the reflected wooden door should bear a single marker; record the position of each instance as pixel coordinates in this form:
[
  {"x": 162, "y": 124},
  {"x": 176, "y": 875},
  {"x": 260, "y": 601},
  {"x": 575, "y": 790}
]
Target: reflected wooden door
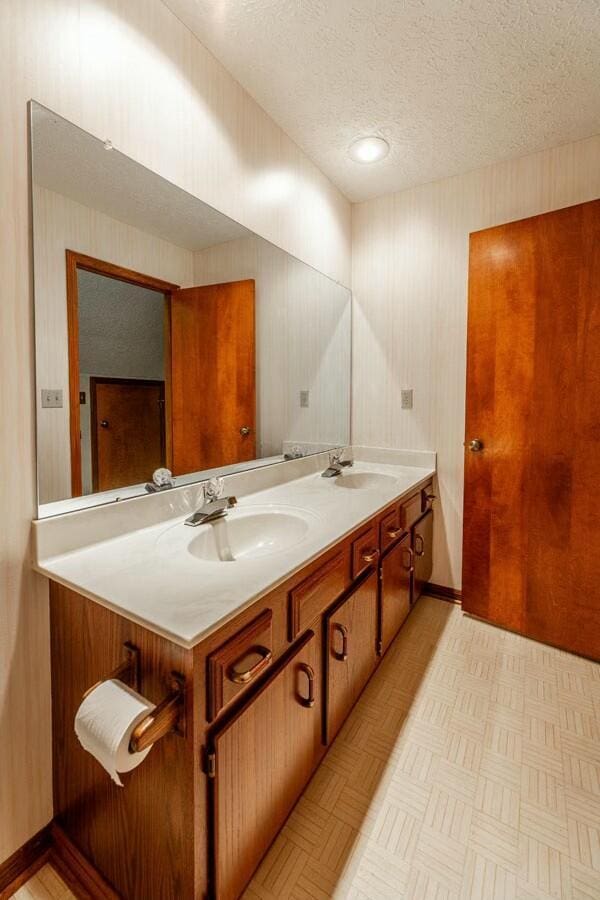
[
  {"x": 532, "y": 515},
  {"x": 127, "y": 431},
  {"x": 213, "y": 376}
]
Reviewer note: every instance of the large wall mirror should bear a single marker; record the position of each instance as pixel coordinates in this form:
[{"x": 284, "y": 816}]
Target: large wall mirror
[{"x": 166, "y": 333}]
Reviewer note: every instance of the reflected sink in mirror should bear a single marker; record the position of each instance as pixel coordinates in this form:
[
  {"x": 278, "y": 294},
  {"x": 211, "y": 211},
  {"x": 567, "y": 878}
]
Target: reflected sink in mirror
[
  {"x": 243, "y": 535},
  {"x": 366, "y": 481}
]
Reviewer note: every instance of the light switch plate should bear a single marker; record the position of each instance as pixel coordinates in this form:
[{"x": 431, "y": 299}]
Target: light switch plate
[
  {"x": 406, "y": 398},
  {"x": 304, "y": 399},
  {"x": 52, "y": 398}
]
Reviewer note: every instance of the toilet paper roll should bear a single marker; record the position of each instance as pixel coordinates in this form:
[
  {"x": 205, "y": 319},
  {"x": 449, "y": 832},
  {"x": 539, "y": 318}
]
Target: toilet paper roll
[{"x": 104, "y": 723}]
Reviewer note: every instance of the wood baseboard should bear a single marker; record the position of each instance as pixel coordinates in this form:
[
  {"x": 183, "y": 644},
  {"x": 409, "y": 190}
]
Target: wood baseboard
[
  {"x": 24, "y": 862},
  {"x": 80, "y": 875},
  {"x": 51, "y": 845},
  {"x": 443, "y": 592}
]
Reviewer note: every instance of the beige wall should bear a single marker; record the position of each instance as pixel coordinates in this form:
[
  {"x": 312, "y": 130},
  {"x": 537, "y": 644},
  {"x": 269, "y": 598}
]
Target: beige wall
[
  {"x": 409, "y": 280},
  {"x": 130, "y": 72},
  {"x": 303, "y": 342}
]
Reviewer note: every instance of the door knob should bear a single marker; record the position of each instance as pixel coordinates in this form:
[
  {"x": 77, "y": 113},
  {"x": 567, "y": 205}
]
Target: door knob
[
  {"x": 475, "y": 445},
  {"x": 104, "y": 423},
  {"x": 245, "y": 430}
]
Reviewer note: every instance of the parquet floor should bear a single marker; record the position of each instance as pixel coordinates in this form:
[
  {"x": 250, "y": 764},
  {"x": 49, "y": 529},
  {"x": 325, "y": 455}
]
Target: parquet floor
[{"x": 469, "y": 770}]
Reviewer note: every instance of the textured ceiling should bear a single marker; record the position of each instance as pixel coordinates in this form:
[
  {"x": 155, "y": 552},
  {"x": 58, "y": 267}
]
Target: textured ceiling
[
  {"x": 69, "y": 161},
  {"x": 452, "y": 84}
]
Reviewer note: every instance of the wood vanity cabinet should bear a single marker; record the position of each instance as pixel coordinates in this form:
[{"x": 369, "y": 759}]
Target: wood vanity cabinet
[
  {"x": 422, "y": 545},
  {"x": 351, "y": 629},
  {"x": 261, "y": 760},
  {"x": 263, "y": 697},
  {"x": 395, "y": 590}
]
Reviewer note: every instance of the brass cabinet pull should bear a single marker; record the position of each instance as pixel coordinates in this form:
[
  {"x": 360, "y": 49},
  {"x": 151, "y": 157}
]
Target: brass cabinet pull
[
  {"x": 420, "y": 550},
  {"x": 370, "y": 556},
  {"x": 431, "y": 497},
  {"x": 343, "y": 656},
  {"x": 394, "y": 532},
  {"x": 410, "y": 567},
  {"x": 476, "y": 445},
  {"x": 310, "y": 674},
  {"x": 244, "y": 675}
]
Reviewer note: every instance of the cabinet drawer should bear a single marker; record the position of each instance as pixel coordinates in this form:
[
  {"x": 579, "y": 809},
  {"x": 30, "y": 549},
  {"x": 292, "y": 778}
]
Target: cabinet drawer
[
  {"x": 411, "y": 510},
  {"x": 365, "y": 551},
  {"x": 390, "y": 528},
  {"x": 313, "y": 595},
  {"x": 427, "y": 497},
  {"x": 238, "y": 662}
]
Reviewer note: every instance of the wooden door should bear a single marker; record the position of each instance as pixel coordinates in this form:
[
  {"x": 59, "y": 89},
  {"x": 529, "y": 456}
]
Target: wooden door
[
  {"x": 264, "y": 757},
  {"x": 127, "y": 431},
  {"x": 394, "y": 590},
  {"x": 531, "y": 515},
  {"x": 351, "y": 651},
  {"x": 213, "y": 377},
  {"x": 422, "y": 544}
]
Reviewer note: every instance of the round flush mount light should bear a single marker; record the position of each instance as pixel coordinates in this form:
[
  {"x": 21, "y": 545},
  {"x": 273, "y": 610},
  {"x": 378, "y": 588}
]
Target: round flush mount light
[{"x": 368, "y": 149}]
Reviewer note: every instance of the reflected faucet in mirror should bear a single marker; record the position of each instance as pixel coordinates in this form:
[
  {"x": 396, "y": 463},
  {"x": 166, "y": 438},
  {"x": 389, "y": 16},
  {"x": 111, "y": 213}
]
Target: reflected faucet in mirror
[
  {"x": 214, "y": 505},
  {"x": 162, "y": 480}
]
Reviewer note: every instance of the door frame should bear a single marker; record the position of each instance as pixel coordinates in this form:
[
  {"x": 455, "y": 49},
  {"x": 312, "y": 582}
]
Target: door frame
[
  {"x": 75, "y": 261},
  {"x": 101, "y": 379}
]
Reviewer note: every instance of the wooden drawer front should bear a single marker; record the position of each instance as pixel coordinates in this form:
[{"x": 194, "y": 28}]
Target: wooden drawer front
[
  {"x": 390, "y": 528},
  {"x": 427, "y": 497},
  {"x": 365, "y": 551},
  {"x": 313, "y": 595},
  {"x": 410, "y": 511},
  {"x": 238, "y": 663}
]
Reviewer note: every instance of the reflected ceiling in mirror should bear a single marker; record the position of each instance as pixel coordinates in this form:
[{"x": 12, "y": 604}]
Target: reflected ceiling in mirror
[{"x": 168, "y": 335}]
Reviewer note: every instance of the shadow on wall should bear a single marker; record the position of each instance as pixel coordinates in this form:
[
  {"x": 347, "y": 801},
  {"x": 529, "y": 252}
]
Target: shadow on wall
[
  {"x": 209, "y": 116},
  {"x": 336, "y": 813}
]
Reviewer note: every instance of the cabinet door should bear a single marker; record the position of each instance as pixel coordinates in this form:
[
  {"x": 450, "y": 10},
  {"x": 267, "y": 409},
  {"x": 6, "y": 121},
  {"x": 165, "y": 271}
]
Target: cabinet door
[
  {"x": 422, "y": 542},
  {"x": 351, "y": 651},
  {"x": 263, "y": 758},
  {"x": 394, "y": 596}
]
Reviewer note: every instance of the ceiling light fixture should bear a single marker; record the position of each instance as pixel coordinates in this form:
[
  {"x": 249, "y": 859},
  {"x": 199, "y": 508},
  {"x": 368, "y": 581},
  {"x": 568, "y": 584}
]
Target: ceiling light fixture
[{"x": 368, "y": 149}]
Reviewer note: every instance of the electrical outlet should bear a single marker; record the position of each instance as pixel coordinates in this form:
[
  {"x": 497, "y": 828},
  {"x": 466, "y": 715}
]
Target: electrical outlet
[
  {"x": 304, "y": 399},
  {"x": 406, "y": 399},
  {"x": 52, "y": 398}
]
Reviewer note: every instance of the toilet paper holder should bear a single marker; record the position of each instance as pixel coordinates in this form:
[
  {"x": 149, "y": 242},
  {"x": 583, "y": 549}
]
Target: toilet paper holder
[{"x": 167, "y": 716}]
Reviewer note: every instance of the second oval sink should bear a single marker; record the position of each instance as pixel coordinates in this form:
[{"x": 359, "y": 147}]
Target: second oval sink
[{"x": 366, "y": 480}]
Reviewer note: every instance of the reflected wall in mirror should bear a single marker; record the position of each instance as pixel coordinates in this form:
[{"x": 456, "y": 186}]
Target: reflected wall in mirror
[{"x": 166, "y": 333}]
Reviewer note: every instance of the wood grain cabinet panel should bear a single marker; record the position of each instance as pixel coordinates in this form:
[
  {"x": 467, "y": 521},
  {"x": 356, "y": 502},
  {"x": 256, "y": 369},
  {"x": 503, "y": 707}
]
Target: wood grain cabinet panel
[
  {"x": 263, "y": 758},
  {"x": 235, "y": 666},
  {"x": 365, "y": 551},
  {"x": 351, "y": 630},
  {"x": 311, "y": 597},
  {"x": 390, "y": 528},
  {"x": 422, "y": 546},
  {"x": 411, "y": 510},
  {"x": 394, "y": 590}
]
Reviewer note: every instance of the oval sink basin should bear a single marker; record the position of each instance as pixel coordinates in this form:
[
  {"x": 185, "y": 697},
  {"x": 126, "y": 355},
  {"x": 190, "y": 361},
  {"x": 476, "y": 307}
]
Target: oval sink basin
[
  {"x": 244, "y": 534},
  {"x": 365, "y": 481}
]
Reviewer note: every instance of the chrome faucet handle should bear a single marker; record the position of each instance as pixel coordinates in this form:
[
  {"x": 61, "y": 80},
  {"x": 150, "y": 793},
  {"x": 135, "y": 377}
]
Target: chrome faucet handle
[
  {"x": 213, "y": 489},
  {"x": 335, "y": 456}
]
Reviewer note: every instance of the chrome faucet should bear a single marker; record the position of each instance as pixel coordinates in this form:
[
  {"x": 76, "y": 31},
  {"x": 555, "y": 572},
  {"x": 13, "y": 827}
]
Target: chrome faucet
[
  {"x": 214, "y": 507},
  {"x": 336, "y": 463}
]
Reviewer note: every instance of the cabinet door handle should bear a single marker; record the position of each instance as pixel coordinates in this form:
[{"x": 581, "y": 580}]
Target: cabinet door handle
[
  {"x": 310, "y": 674},
  {"x": 243, "y": 675},
  {"x": 343, "y": 656},
  {"x": 410, "y": 567},
  {"x": 394, "y": 532},
  {"x": 370, "y": 556},
  {"x": 420, "y": 550}
]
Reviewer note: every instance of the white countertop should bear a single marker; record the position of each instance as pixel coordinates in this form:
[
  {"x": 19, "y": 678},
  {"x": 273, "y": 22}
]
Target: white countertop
[{"x": 148, "y": 575}]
